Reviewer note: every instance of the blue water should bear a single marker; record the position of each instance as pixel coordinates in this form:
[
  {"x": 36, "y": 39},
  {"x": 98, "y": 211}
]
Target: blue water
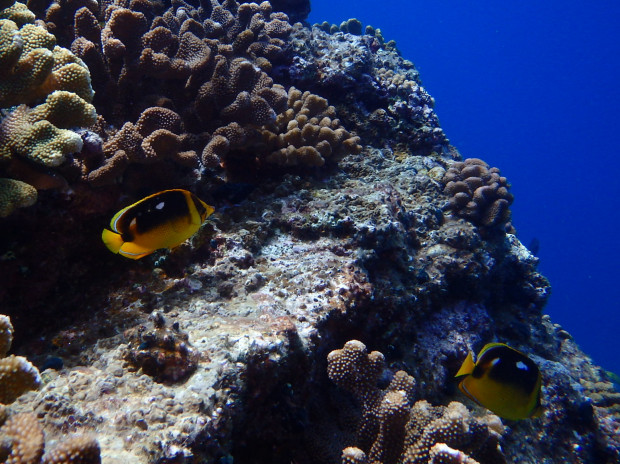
[{"x": 532, "y": 88}]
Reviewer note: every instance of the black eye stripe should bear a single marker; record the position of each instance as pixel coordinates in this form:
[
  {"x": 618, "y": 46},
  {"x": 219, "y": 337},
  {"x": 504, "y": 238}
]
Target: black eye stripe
[{"x": 198, "y": 204}]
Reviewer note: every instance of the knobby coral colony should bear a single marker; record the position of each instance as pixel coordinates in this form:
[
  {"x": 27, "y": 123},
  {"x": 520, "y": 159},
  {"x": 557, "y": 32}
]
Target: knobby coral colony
[
  {"x": 343, "y": 212},
  {"x": 22, "y": 440}
]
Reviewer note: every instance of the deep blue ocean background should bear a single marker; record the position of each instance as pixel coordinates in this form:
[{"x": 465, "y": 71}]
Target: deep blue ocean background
[{"x": 534, "y": 89}]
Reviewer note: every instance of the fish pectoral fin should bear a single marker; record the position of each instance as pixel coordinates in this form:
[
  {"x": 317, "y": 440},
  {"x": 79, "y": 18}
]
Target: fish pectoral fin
[
  {"x": 467, "y": 367},
  {"x": 133, "y": 251},
  {"x": 466, "y": 392},
  {"x": 112, "y": 240}
]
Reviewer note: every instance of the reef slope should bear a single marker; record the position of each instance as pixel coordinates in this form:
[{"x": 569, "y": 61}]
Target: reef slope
[{"x": 217, "y": 350}]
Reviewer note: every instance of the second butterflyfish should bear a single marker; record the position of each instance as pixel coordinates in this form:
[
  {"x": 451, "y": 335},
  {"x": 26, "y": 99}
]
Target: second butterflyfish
[
  {"x": 162, "y": 220},
  {"x": 503, "y": 380}
]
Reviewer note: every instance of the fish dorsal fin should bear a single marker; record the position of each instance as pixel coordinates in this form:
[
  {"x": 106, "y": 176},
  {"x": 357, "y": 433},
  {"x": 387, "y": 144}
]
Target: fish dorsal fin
[
  {"x": 467, "y": 367},
  {"x": 491, "y": 346},
  {"x": 117, "y": 216}
]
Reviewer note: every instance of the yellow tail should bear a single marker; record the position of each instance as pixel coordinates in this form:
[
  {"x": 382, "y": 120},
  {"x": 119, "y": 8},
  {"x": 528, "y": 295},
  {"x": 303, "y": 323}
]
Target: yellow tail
[
  {"x": 112, "y": 240},
  {"x": 467, "y": 367}
]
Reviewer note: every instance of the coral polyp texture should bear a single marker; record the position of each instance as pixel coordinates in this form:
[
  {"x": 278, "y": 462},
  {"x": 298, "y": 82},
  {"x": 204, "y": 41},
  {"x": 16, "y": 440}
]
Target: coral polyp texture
[
  {"x": 33, "y": 66},
  {"x": 52, "y": 89},
  {"x": 479, "y": 194},
  {"x": 307, "y": 134},
  {"x": 330, "y": 173},
  {"x": 15, "y": 194},
  {"x": 23, "y": 442}
]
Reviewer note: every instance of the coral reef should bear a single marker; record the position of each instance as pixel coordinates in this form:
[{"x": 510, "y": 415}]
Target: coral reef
[
  {"x": 479, "y": 194},
  {"x": 326, "y": 162},
  {"x": 153, "y": 140},
  {"x": 211, "y": 67},
  {"x": 285, "y": 277},
  {"x": 22, "y": 440},
  {"x": 377, "y": 93}
]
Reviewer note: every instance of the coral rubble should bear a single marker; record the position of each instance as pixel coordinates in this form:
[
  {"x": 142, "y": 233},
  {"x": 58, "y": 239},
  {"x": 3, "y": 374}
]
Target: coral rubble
[{"x": 330, "y": 174}]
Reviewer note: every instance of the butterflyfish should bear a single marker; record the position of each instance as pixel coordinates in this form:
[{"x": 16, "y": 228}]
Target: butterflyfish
[
  {"x": 162, "y": 220},
  {"x": 503, "y": 380}
]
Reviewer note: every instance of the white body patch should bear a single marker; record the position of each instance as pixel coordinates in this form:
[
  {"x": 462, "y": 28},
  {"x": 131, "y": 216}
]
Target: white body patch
[
  {"x": 160, "y": 205},
  {"x": 521, "y": 365}
]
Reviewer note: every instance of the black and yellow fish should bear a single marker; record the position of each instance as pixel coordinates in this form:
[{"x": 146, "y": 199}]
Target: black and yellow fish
[
  {"x": 162, "y": 220},
  {"x": 502, "y": 380}
]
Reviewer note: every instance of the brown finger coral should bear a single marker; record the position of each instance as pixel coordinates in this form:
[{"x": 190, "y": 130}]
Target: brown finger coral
[
  {"x": 306, "y": 133},
  {"x": 384, "y": 413},
  {"x": 479, "y": 194},
  {"x": 154, "y": 138}
]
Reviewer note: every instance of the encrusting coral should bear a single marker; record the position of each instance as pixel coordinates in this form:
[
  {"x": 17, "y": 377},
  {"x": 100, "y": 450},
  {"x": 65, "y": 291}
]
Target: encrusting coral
[
  {"x": 479, "y": 194},
  {"x": 392, "y": 430}
]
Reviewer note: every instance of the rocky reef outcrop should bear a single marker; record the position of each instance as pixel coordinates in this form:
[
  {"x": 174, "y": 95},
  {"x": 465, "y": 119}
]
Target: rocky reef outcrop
[{"x": 335, "y": 221}]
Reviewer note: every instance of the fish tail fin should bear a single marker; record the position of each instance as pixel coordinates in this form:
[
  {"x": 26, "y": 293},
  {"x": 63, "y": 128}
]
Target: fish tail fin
[
  {"x": 112, "y": 240},
  {"x": 467, "y": 367}
]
